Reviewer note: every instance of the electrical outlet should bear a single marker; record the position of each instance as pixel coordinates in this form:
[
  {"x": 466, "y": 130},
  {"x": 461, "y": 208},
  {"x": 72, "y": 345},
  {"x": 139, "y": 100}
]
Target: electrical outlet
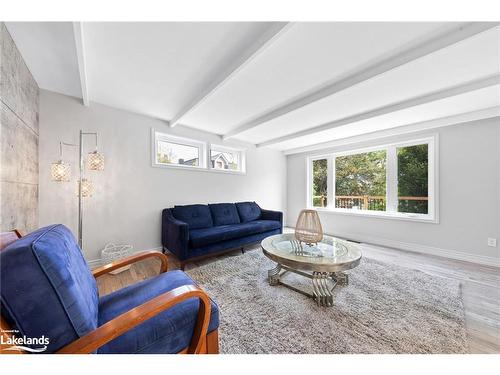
[{"x": 492, "y": 242}]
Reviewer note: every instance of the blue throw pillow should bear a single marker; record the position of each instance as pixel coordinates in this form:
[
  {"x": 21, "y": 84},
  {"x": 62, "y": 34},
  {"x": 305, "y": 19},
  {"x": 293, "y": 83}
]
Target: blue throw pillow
[
  {"x": 195, "y": 215},
  {"x": 224, "y": 213},
  {"x": 248, "y": 211}
]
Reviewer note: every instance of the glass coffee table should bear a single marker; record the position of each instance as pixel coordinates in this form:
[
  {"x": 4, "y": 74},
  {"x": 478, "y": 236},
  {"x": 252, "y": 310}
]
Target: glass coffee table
[{"x": 324, "y": 263}]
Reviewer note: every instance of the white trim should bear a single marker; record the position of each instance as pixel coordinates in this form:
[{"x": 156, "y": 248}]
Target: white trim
[
  {"x": 444, "y": 38},
  {"x": 487, "y": 81},
  {"x": 80, "y": 55},
  {"x": 165, "y": 137},
  {"x": 204, "y": 149},
  {"x": 391, "y": 212},
  {"x": 419, "y": 248},
  {"x": 391, "y": 179},
  {"x": 425, "y": 249},
  {"x": 378, "y": 214},
  {"x": 402, "y": 130},
  {"x": 244, "y": 59}
]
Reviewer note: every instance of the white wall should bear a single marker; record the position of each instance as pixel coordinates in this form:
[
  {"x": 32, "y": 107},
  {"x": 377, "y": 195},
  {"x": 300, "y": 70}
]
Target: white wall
[
  {"x": 130, "y": 194},
  {"x": 469, "y": 203}
]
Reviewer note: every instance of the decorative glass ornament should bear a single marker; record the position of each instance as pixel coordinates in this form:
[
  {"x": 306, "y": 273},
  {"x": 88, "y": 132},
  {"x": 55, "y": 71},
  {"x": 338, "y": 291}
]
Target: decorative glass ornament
[
  {"x": 60, "y": 171},
  {"x": 308, "y": 228},
  {"x": 95, "y": 161}
]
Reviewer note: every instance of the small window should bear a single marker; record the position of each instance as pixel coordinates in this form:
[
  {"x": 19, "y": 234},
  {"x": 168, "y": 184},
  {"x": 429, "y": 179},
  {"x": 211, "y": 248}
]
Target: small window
[
  {"x": 360, "y": 181},
  {"x": 320, "y": 182},
  {"x": 178, "y": 152},
  {"x": 413, "y": 174},
  {"x": 227, "y": 159}
]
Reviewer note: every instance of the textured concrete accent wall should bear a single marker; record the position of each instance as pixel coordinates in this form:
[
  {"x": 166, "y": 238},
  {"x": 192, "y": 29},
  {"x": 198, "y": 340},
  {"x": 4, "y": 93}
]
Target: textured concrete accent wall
[{"x": 19, "y": 96}]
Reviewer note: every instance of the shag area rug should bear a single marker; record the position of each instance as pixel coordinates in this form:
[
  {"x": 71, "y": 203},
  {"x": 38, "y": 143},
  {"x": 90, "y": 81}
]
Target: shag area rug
[{"x": 384, "y": 309}]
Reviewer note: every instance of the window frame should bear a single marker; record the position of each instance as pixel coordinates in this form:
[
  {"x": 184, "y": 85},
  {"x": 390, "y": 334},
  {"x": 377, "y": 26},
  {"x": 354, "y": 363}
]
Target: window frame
[
  {"x": 203, "y": 150},
  {"x": 242, "y": 161},
  {"x": 391, "y": 181},
  {"x": 164, "y": 137}
]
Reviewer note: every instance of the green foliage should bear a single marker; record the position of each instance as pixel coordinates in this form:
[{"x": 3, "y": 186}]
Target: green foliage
[
  {"x": 166, "y": 157},
  {"x": 361, "y": 174},
  {"x": 364, "y": 176},
  {"x": 413, "y": 168},
  {"x": 320, "y": 178}
]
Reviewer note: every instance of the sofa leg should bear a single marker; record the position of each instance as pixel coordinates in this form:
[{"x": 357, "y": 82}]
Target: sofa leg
[{"x": 243, "y": 250}]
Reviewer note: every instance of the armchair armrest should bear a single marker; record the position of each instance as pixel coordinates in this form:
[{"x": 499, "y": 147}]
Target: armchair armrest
[
  {"x": 174, "y": 234},
  {"x": 272, "y": 215},
  {"x": 133, "y": 259},
  {"x": 132, "y": 318}
]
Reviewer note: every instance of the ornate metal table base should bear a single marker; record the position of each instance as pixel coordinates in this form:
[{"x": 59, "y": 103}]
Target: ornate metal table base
[{"x": 323, "y": 283}]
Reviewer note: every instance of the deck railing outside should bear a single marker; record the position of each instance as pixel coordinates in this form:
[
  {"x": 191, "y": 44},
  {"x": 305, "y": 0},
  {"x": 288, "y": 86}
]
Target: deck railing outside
[{"x": 364, "y": 202}]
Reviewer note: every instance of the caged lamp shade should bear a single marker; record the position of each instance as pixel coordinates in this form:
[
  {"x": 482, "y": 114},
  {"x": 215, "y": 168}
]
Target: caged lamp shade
[
  {"x": 87, "y": 188},
  {"x": 308, "y": 228},
  {"x": 60, "y": 171},
  {"x": 95, "y": 161}
]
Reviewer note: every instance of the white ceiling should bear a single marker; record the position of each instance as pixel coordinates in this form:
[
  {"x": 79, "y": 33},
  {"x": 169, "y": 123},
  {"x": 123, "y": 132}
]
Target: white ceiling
[
  {"x": 49, "y": 51},
  {"x": 160, "y": 69}
]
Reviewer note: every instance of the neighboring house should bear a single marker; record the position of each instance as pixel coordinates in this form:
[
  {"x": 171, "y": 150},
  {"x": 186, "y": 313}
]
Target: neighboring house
[
  {"x": 219, "y": 161},
  {"x": 193, "y": 162}
]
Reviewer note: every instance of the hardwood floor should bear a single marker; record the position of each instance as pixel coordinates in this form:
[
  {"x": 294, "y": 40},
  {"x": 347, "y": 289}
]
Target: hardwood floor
[{"x": 480, "y": 287}]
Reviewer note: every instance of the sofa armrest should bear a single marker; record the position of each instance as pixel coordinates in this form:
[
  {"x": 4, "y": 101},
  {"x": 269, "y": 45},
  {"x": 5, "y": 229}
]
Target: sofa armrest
[
  {"x": 272, "y": 215},
  {"x": 134, "y": 317},
  {"x": 174, "y": 234}
]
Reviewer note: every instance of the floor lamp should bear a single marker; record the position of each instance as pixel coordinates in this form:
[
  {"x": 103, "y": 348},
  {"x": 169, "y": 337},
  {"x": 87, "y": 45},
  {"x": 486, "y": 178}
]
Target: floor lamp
[{"x": 61, "y": 172}]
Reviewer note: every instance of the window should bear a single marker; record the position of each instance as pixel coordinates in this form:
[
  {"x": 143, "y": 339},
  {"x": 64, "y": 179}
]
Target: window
[
  {"x": 178, "y": 152},
  {"x": 413, "y": 182},
  {"x": 320, "y": 182},
  {"x": 394, "y": 180},
  {"x": 227, "y": 159},
  {"x": 360, "y": 181}
]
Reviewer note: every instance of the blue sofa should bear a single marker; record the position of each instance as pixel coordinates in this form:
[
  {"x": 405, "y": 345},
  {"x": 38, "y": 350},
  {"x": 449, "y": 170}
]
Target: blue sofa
[
  {"x": 48, "y": 290},
  {"x": 201, "y": 230}
]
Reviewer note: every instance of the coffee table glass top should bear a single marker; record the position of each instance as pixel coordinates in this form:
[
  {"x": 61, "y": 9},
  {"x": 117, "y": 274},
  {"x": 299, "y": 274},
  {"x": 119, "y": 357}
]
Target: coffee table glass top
[{"x": 331, "y": 253}]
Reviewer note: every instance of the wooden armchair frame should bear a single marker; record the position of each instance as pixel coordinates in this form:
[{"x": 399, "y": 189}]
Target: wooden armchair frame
[{"x": 201, "y": 342}]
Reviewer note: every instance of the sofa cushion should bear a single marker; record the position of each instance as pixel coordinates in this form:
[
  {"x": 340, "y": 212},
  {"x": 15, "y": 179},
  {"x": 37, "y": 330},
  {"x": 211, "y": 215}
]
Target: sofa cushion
[
  {"x": 195, "y": 215},
  {"x": 224, "y": 213},
  {"x": 207, "y": 236},
  {"x": 47, "y": 288},
  {"x": 259, "y": 226},
  {"x": 168, "y": 332},
  {"x": 248, "y": 211}
]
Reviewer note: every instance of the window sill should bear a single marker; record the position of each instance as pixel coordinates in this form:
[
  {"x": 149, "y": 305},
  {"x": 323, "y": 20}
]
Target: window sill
[
  {"x": 225, "y": 171},
  {"x": 380, "y": 214},
  {"x": 195, "y": 168}
]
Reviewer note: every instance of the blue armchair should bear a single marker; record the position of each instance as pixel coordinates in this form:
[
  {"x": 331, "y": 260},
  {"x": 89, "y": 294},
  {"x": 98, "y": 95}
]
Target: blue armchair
[
  {"x": 48, "y": 291},
  {"x": 199, "y": 230}
]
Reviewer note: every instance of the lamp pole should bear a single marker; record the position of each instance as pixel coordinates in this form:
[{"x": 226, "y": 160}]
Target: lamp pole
[
  {"x": 61, "y": 172},
  {"x": 80, "y": 203}
]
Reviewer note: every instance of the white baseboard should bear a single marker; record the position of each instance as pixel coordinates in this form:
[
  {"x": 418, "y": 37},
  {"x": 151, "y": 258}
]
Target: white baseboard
[
  {"x": 94, "y": 263},
  {"x": 423, "y": 249}
]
